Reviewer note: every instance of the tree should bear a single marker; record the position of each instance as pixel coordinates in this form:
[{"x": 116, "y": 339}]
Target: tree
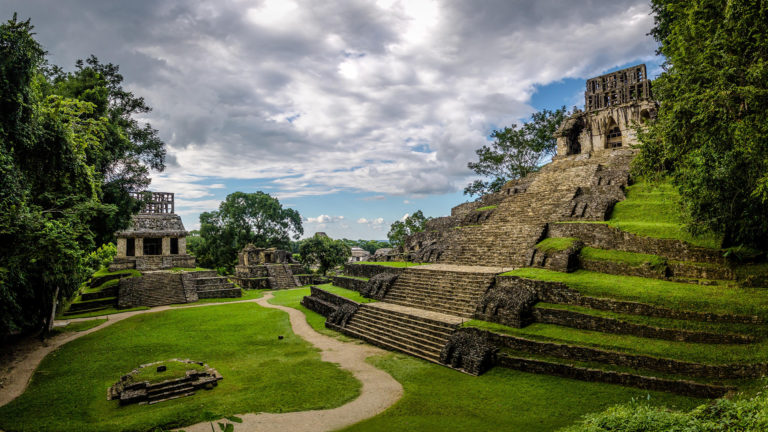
[
  {"x": 368, "y": 245},
  {"x": 128, "y": 148},
  {"x": 711, "y": 134},
  {"x": 412, "y": 224},
  {"x": 245, "y": 218},
  {"x": 515, "y": 152},
  {"x": 324, "y": 252},
  {"x": 48, "y": 190}
]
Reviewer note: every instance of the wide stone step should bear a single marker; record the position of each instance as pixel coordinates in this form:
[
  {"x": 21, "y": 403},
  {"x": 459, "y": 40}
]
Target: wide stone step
[
  {"x": 445, "y": 321},
  {"x": 418, "y": 301},
  {"x": 392, "y": 344},
  {"x": 415, "y": 336},
  {"x": 427, "y": 306},
  {"x": 430, "y": 329}
]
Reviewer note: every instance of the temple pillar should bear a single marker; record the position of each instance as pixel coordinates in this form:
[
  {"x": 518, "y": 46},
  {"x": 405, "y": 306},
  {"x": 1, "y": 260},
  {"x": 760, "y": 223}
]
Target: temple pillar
[
  {"x": 121, "y": 248},
  {"x": 139, "y": 246},
  {"x": 182, "y": 245},
  {"x": 166, "y": 245}
]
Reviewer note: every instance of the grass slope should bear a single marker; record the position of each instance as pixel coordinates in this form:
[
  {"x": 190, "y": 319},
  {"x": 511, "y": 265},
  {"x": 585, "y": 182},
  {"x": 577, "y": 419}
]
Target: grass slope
[
  {"x": 261, "y": 373},
  {"x": 652, "y": 210},
  {"x": 629, "y": 258},
  {"x": 682, "y": 296},
  {"x": 555, "y": 244}
]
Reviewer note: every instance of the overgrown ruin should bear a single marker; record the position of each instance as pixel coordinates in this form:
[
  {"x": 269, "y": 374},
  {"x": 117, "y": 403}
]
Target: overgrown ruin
[{"x": 468, "y": 254}]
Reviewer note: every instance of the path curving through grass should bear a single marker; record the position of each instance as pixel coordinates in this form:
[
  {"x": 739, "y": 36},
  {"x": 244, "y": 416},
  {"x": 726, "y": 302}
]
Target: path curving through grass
[{"x": 379, "y": 390}]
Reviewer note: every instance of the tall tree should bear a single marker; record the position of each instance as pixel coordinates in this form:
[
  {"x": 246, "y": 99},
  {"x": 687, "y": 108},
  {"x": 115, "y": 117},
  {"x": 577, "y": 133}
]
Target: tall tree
[
  {"x": 412, "y": 224},
  {"x": 48, "y": 191},
  {"x": 515, "y": 152},
  {"x": 324, "y": 252},
  {"x": 245, "y": 218},
  {"x": 711, "y": 134},
  {"x": 128, "y": 148}
]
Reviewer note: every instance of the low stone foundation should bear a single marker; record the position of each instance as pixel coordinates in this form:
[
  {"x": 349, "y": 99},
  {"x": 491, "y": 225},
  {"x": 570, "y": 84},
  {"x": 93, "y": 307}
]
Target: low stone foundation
[
  {"x": 350, "y": 283},
  {"x": 128, "y": 391},
  {"x": 370, "y": 270}
]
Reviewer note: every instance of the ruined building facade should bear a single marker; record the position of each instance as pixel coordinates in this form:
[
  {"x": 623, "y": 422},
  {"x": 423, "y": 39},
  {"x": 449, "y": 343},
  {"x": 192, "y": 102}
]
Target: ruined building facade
[
  {"x": 155, "y": 238},
  {"x": 613, "y": 104}
]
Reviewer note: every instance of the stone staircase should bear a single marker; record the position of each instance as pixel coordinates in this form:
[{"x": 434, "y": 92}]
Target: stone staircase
[
  {"x": 209, "y": 284},
  {"x": 409, "y": 330},
  {"x": 452, "y": 290},
  {"x": 281, "y": 277},
  {"x": 519, "y": 221}
]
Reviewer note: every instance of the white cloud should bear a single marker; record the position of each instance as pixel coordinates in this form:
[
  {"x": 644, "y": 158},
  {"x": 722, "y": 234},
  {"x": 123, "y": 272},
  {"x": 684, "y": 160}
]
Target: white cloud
[{"x": 334, "y": 96}]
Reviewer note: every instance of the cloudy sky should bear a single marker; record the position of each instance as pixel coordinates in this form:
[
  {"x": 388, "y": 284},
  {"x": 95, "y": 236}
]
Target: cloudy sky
[{"x": 353, "y": 112}]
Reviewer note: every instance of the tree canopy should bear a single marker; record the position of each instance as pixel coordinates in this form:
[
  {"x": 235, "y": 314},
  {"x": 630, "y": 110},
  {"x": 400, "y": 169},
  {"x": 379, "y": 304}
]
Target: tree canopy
[
  {"x": 711, "y": 134},
  {"x": 70, "y": 150},
  {"x": 324, "y": 252},
  {"x": 515, "y": 152},
  {"x": 244, "y": 218},
  {"x": 412, "y": 224}
]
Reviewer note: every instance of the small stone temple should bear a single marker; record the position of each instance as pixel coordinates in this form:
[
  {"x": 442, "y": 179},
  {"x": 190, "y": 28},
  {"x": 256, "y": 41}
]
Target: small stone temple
[
  {"x": 613, "y": 104},
  {"x": 261, "y": 268},
  {"x": 155, "y": 238}
]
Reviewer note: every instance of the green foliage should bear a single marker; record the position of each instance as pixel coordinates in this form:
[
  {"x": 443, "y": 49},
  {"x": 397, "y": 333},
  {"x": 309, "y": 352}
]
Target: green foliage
[
  {"x": 490, "y": 207},
  {"x": 261, "y": 372},
  {"x": 412, "y": 224},
  {"x": 711, "y": 135},
  {"x": 48, "y": 191},
  {"x": 555, "y": 244},
  {"x": 369, "y": 245},
  {"x": 324, "y": 252},
  {"x": 723, "y": 415},
  {"x": 244, "y": 218},
  {"x": 346, "y": 293},
  {"x": 127, "y": 148},
  {"x": 515, "y": 152},
  {"x": 101, "y": 257}
]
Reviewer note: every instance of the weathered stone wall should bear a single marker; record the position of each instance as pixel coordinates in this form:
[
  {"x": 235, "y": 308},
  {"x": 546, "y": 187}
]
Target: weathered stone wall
[
  {"x": 556, "y": 292},
  {"x": 609, "y": 325},
  {"x": 329, "y": 305},
  {"x": 248, "y": 271},
  {"x": 153, "y": 289},
  {"x": 688, "y": 388},
  {"x": 606, "y": 237},
  {"x": 350, "y": 283},
  {"x": 470, "y": 351},
  {"x": 252, "y": 283},
  {"x": 369, "y": 270},
  {"x": 624, "y": 269},
  {"x": 585, "y": 354},
  {"x": 508, "y": 305}
]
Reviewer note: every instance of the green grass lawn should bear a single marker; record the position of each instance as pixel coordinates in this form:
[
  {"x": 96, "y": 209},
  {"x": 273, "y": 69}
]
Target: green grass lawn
[
  {"x": 261, "y": 373},
  {"x": 694, "y": 352},
  {"x": 441, "y": 399},
  {"x": 652, "y": 210},
  {"x": 350, "y": 294},
  {"x": 392, "y": 263},
  {"x": 292, "y": 298},
  {"x": 675, "y": 295}
]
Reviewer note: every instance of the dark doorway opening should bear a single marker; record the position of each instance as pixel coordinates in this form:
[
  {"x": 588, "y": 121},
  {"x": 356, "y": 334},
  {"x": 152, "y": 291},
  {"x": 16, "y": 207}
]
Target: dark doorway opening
[
  {"x": 174, "y": 246},
  {"x": 130, "y": 247},
  {"x": 153, "y": 246}
]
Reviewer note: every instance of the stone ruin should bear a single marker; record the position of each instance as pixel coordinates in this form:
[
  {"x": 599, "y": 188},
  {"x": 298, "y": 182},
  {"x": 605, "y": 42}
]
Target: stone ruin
[
  {"x": 262, "y": 268},
  {"x": 614, "y": 104},
  {"x": 154, "y": 243},
  {"x": 155, "y": 238},
  {"x": 130, "y": 391}
]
